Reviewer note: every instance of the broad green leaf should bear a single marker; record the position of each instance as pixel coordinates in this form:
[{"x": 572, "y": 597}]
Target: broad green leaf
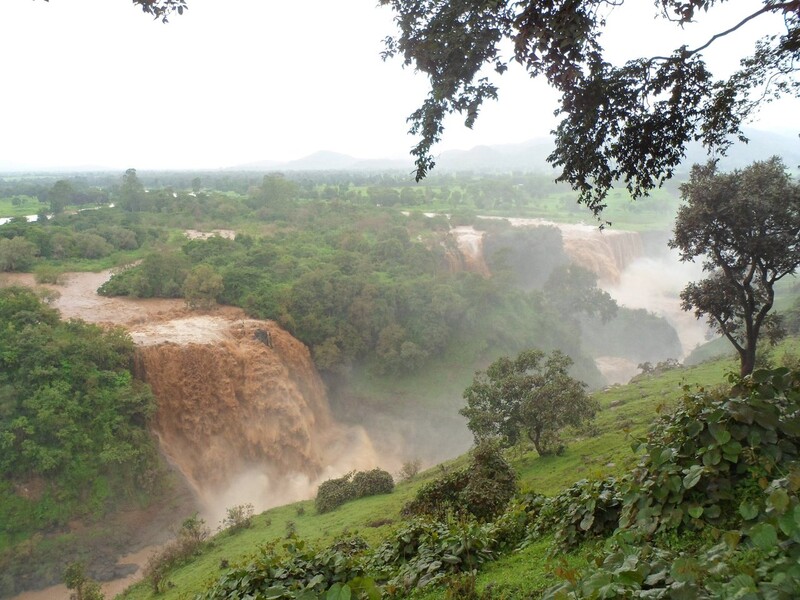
[
  {"x": 692, "y": 477},
  {"x": 273, "y": 592},
  {"x": 338, "y": 592},
  {"x": 587, "y": 522},
  {"x": 761, "y": 376},
  {"x": 695, "y": 512},
  {"x": 694, "y": 428},
  {"x": 748, "y": 510},
  {"x": 712, "y": 457},
  {"x": 720, "y": 432},
  {"x": 741, "y": 583},
  {"x": 763, "y": 535}
]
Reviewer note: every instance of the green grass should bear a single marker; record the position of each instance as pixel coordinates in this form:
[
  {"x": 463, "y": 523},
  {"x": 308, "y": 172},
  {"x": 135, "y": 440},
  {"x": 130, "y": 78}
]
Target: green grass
[
  {"x": 27, "y": 205},
  {"x": 626, "y": 412}
]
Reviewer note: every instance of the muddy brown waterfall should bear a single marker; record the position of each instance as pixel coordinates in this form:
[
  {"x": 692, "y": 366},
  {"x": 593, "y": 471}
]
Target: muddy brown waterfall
[{"x": 242, "y": 412}]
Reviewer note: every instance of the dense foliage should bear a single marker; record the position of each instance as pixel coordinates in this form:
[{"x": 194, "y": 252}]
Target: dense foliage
[
  {"x": 72, "y": 418},
  {"x": 723, "y": 472},
  {"x": 482, "y": 490}
]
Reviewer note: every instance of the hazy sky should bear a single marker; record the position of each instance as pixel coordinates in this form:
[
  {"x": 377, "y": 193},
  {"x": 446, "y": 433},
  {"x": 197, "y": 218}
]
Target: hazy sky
[{"x": 97, "y": 82}]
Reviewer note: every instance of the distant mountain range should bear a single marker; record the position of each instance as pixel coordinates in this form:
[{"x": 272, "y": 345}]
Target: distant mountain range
[
  {"x": 529, "y": 156},
  {"x": 525, "y": 156}
]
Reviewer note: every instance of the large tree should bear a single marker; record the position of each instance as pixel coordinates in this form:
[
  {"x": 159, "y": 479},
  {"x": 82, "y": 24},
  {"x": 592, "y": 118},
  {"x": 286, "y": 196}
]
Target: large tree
[
  {"x": 531, "y": 395},
  {"x": 745, "y": 225},
  {"x": 625, "y": 123}
]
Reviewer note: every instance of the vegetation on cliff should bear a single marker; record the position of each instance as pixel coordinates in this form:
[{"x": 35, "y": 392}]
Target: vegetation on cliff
[{"x": 73, "y": 425}]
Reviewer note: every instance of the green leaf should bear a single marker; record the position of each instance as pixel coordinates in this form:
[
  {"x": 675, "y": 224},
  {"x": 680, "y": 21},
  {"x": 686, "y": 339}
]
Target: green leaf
[
  {"x": 731, "y": 451},
  {"x": 720, "y": 432},
  {"x": 741, "y": 583},
  {"x": 778, "y": 501},
  {"x": 693, "y": 476},
  {"x": 696, "y": 512},
  {"x": 274, "y": 592},
  {"x": 338, "y": 592},
  {"x": 694, "y": 428},
  {"x": 748, "y": 510},
  {"x": 712, "y": 457},
  {"x": 763, "y": 536},
  {"x": 761, "y": 376},
  {"x": 587, "y": 522}
]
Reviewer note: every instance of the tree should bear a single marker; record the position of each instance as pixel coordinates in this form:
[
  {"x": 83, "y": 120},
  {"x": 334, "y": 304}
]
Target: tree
[
  {"x": 131, "y": 192},
  {"x": 532, "y": 395},
  {"x": 573, "y": 290},
  {"x": 75, "y": 578},
  {"x": 17, "y": 254},
  {"x": 60, "y": 195},
  {"x": 746, "y": 226},
  {"x": 626, "y": 123},
  {"x": 202, "y": 286}
]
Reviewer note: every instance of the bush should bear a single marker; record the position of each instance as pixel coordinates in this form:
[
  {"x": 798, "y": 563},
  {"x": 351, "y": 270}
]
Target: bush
[
  {"x": 48, "y": 274},
  {"x": 491, "y": 482},
  {"x": 372, "y": 483},
  {"x": 483, "y": 489},
  {"x": 332, "y": 493},
  {"x": 190, "y": 539},
  {"x": 410, "y": 469},
  {"x": 335, "y": 492},
  {"x": 238, "y": 517}
]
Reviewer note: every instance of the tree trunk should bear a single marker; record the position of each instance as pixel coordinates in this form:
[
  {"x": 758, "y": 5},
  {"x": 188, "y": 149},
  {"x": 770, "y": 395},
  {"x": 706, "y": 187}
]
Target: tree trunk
[
  {"x": 747, "y": 361},
  {"x": 535, "y": 436}
]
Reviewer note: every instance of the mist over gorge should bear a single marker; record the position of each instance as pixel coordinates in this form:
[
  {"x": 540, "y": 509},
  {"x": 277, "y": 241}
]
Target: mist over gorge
[{"x": 639, "y": 275}]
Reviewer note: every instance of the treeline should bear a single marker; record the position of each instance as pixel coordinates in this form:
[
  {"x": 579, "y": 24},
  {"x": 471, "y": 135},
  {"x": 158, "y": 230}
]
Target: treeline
[{"x": 87, "y": 235}]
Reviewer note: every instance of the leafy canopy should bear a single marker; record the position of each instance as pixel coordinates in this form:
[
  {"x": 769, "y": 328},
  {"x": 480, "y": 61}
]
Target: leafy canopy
[
  {"x": 746, "y": 227},
  {"x": 626, "y": 123},
  {"x": 532, "y": 395}
]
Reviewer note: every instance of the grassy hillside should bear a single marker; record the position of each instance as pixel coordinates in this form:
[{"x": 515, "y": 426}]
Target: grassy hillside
[{"x": 599, "y": 451}]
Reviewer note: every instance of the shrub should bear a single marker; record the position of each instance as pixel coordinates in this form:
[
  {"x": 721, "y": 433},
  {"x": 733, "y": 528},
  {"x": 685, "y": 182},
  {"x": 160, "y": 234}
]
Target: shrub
[
  {"x": 371, "y": 483},
  {"x": 86, "y": 588},
  {"x": 190, "y": 539},
  {"x": 410, "y": 469},
  {"x": 483, "y": 489},
  {"x": 238, "y": 517},
  {"x": 491, "y": 482},
  {"x": 333, "y": 493},
  {"x": 48, "y": 274}
]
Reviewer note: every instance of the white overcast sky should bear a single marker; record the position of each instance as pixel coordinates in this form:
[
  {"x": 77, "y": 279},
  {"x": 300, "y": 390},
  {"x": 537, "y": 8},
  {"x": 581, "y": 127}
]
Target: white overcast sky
[{"x": 97, "y": 82}]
